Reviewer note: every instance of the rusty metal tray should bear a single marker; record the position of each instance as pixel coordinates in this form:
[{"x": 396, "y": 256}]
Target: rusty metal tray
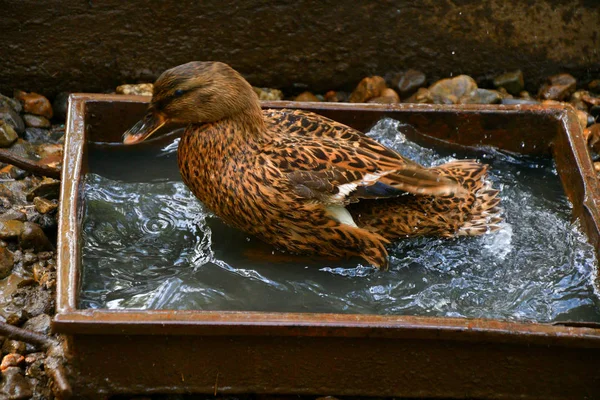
[{"x": 161, "y": 351}]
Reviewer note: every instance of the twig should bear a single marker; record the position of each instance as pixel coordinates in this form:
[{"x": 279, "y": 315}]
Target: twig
[
  {"x": 26, "y": 336},
  {"x": 9, "y": 157}
]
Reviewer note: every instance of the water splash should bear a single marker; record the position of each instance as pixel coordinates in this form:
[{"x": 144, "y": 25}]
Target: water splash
[{"x": 152, "y": 245}]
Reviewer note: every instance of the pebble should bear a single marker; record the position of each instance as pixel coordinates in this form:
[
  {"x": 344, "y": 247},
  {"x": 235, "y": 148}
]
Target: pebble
[
  {"x": 450, "y": 90},
  {"x": 513, "y": 82},
  {"x": 34, "y": 103},
  {"x": 388, "y": 96},
  {"x": 268, "y": 94},
  {"x": 12, "y": 118},
  {"x": 513, "y": 101},
  {"x": 14, "y": 385},
  {"x": 592, "y": 134},
  {"x": 11, "y": 346},
  {"x": 597, "y": 166},
  {"x": 481, "y": 96},
  {"x": 40, "y": 324},
  {"x": 577, "y": 100},
  {"x": 31, "y": 301},
  {"x": 44, "y": 206},
  {"x": 368, "y": 88},
  {"x": 33, "y": 237},
  {"x": 591, "y": 100},
  {"x": 36, "y": 121},
  {"x": 582, "y": 116},
  {"x": 336, "y": 97},
  {"x": 558, "y": 87},
  {"x": 140, "y": 89},
  {"x": 35, "y": 366},
  {"x": 11, "y": 229},
  {"x": 306, "y": 96},
  {"x": 11, "y": 360},
  {"x": 423, "y": 95},
  {"x": 594, "y": 85},
  {"x": 60, "y": 105},
  {"x": 6, "y": 262},
  {"x": 7, "y": 134},
  {"x": 10, "y": 103},
  {"x": 407, "y": 82},
  {"x": 36, "y": 135},
  {"x": 48, "y": 188}
]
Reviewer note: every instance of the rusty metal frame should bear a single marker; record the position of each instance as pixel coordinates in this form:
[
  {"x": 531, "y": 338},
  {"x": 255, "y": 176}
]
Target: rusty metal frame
[{"x": 558, "y": 132}]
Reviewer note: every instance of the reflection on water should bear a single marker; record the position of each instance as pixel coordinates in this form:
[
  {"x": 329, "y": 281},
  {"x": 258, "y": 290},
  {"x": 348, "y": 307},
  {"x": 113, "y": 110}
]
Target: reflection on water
[{"x": 148, "y": 243}]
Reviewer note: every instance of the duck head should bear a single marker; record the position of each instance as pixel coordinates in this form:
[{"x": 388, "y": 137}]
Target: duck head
[{"x": 196, "y": 93}]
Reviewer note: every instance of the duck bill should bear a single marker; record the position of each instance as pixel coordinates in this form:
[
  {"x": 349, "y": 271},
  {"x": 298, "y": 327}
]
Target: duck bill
[{"x": 144, "y": 128}]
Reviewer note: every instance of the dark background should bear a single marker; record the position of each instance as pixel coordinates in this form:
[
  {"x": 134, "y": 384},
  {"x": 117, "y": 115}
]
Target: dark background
[{"x": 54, "y": 45}]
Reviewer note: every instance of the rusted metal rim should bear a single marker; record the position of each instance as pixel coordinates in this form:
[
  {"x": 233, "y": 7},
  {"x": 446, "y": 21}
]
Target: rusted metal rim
[{"x": 569, "y": 149}]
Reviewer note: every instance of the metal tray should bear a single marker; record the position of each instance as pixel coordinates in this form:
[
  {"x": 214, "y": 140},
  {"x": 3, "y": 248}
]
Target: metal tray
[{"x": 154, "y": 351}]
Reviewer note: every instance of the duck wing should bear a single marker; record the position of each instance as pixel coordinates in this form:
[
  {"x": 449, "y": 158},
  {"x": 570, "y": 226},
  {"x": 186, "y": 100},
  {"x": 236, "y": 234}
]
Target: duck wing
[{"x": 333, "y": 163}]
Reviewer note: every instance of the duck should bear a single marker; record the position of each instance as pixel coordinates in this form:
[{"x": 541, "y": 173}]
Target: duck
[{"x": 305, "y": 183}]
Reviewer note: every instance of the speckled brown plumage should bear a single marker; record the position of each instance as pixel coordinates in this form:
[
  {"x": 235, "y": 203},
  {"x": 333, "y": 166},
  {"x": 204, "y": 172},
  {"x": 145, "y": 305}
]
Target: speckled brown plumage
[{"x": 303, "y": 182}]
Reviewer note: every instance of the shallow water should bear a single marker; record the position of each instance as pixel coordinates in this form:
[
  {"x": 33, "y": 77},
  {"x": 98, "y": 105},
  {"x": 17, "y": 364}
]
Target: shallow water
[{"x": 148, "y": 243}]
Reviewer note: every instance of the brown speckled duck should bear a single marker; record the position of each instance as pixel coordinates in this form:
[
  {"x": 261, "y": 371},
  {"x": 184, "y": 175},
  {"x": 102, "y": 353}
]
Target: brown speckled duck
[{"x": 303, "y": 182}]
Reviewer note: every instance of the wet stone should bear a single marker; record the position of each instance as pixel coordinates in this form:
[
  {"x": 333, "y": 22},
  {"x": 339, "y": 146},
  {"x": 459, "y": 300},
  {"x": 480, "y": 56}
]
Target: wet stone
[
  {"x": 268, "y": 94},
  {"x": 140, "y": 89},
  {"x": 559, "y": 87},
  {"x": 14, "y": 385},
  {"x": 40, "y": 324},
  {"x": 36, "y": 121},
  {"x": 13, "y": 214},
  {"x": 514, "y": 101},
  {"x": 33, "y": 237},
  {"x": 60, "y": 106},
  {"x": 583, "y": 118},
  {"x": 11, "y": 117},
  {"x": 47, "y": 188},
  {"x": 6, "y": 101},
  {"x": 44, "y": 206},
  {"x": 36, "y": 135},
  {"x": 450, "y": 90},
  {"x": 407, "y": 83},
  {"x": 306, "y": 96},
  {"x": 481, "y": 96},
  {"x": 388, "y": 96},
  {"x": 368, "y": 88},
  {"x": 423, "y": 95},
  {"x": 592, "y": 134},
  {"x": 32, "y": 301},
  {"x": 6, "y": 262},
  {"x": 336, "y": 97},
  {"x": 594, "y": 86},
  {"x": 34, "y": 103},
  {"x": 513, "y": 82},
  {"x": 11, "y": 346},
  {"x": 11, "y": 229},
  {"x": 577, "y": 100},
  {"x": 11, "y": 360},
  {"x": 589, "y": 99},
  {"x": 7, "y": 134}
]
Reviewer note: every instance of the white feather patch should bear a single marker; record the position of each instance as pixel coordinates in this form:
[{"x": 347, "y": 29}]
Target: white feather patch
[{"x": 341, "y": 215}]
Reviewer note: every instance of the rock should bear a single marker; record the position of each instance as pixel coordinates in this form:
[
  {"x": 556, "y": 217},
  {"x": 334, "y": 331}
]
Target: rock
[
  {"x": 594, "y": 86},
  {"x": 423, "y": 95},
  {"x": 306, "y": 96},
  {"x": 450, "y": 90},
  {"x": 140, "y": 89},
  {"x": 6, "y": 262},
  {"x": 336, "y": 97},
  {"x": 35, "y": 365},
  {"x": 44, "y": 206},
  {"x": 407, "y": 82},
  {"x": 11, "y": 346},
  {"x": 590, "y": 100},
  {"x": 40, "y": 324},
  {"x": 592, "y": 135},
  {"x": 11, "y": 229},
  {"x": 512, "y": 102},
  {"x": 14, "y": 385},
  {"x": 33, "y": 237},
  {"x": 13, "y": 214},
  {"x": 31, "y": 301},
  {"x": 34, "y": 103},
  {"x": 60, "y": 105},
  {"x": 36, "y": 121},
  {"x": 11, "y": 117},
  {"x": 48, "y": 188},
  {"x": 368, "y": 88},
  {"x": 511, "y": 81},
  {"x": 36, "y": 135},
  {"x": 481, "y": 96},
  {"x": 559, "y": 87},
  {"x": 268, "y": 94},
  {"x": 388, "y": 96},
  {"x": 597, "y": 166},
  {"x": 10, "y": 103},
  {"x": 7, "y": 134},
  {"x": 577, "y": 100},
  {"x": 11, "y": 360}
]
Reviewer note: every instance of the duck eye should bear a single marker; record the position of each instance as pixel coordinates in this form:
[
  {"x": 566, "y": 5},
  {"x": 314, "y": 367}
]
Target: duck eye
[{"x": 178, "y": 92}]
